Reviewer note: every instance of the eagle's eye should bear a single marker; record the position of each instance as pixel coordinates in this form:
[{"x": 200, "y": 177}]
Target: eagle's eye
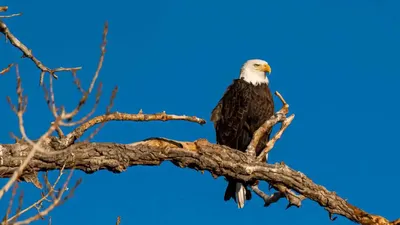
[{"x": 256, "y": 65}]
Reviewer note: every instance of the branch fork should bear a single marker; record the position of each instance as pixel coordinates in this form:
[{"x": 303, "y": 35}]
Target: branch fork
[
  {"x": 200, "y": 155},
  {"x": 28, "y": 52},
  {"x": 278, "y": 117}
]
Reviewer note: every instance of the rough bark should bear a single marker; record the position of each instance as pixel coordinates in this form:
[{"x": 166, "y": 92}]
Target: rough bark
[
  {"x": 199, "y": 155},
  {"x": 59, "y": 153}
]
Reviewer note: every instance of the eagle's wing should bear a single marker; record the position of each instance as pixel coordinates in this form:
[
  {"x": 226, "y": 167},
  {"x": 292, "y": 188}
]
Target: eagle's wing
[
  {"x": 230, "y": 116},
  {"x": 216, "y": 113}
]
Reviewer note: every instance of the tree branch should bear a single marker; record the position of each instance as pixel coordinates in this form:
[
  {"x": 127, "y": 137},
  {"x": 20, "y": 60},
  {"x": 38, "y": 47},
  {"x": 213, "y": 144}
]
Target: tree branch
[
  {"x": 28, "y": 53},
  {"x": 285, "y": 123},
  {"x": 268, "y": 200},
  {"x": 27, "y": 158},
  {"x": 9, "y": 16},
  {"x": 279, "y": 116},
  {"x": 199, "y": 155},
  {"x": 5, "y": 70},
  {"x": 3, "y": 8},
  {"x": 68, "y": 140}
]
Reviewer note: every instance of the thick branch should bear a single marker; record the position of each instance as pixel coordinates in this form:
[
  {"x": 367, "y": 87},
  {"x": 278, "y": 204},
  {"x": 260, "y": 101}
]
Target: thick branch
[{"x": 199, "y": 155}]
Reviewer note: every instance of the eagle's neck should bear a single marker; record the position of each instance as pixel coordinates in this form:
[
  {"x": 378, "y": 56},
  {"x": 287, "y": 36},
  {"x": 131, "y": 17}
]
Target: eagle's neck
[{"x": 254, "y": 77}]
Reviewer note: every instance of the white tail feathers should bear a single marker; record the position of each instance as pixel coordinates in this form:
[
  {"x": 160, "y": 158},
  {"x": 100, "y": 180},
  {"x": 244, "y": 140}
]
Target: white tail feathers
[
  {"x": 240, "y": 195},
  {"x": 240, "y": 191}
]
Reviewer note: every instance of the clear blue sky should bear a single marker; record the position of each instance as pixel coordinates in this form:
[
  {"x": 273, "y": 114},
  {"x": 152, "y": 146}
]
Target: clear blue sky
[{"x": 335, "y": 62}]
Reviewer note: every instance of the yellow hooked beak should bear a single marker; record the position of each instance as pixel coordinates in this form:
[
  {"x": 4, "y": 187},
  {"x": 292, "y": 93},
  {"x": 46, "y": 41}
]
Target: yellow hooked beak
[{"x": 265, "y": 68}]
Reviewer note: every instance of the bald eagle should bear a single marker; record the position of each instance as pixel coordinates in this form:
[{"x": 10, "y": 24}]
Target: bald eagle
[{"x": 245, "y": 106}]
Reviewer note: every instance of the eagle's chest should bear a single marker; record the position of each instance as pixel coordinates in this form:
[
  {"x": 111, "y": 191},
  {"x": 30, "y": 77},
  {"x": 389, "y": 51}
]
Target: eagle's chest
[
  {"x": 259, "y": 96},
  {"x": 261, "y": 105}
]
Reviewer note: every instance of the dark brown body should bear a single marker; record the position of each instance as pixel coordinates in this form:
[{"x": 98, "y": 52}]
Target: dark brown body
[{"x": 240, "y": 112}]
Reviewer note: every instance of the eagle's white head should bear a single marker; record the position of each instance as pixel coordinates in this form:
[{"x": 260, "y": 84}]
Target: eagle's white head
[{"x": 254, "y": 71}]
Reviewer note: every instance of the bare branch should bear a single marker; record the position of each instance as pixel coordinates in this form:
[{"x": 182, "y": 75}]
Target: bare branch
[
  {"x": 117, "y": 116},
  {"x": 199, "y": 155},
  {"x": 22, "y": 101},
  {"x": 59, "y": 131},
  {"x": 77, "y": 82},
  {"x": 103, "y": 52},
  {"x": 26, "y": 158},
  {"x": 28, "y": 53},
  {"x": 286, "y": 122},
  {"x": 14, "y": 192},
  {"x": 69, "y": 116},
  {"x": 108, "y": 111},
  {"x": 56, "y": 202},
  {"x": 37, "y": 204},
  {"x": 260, "y": 132},
  {"x": 85, "y": 94},
  {"x": 268, "y": 200},
  {"x": 285, "y": 105},
  {"x": 118, "y": 220},
  {"x": 5, "y": 70},
  {"x": 12, "y": 15},
  {"x": 279, "y": 116},
  {"x": 294, "y": 200}
]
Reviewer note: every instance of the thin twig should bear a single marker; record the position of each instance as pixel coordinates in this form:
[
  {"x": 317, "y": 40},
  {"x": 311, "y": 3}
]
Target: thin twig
[
  {"x": 56, "y": 200},
  {"x": 103, "y": 52},
  {"x": 83, "y": 100},
  {"x": 267, "y": 125},
  {"x": 77, "y": 82},
  {"x": 5, "y": 70},
  {"x": 28, "y": 53},
  {"x": 59, "y": 131},
  {"x": 283, "y": 101},
  {"x": 69, "y": 116},
  {"x": 118, "y": 220},
  {"x": 52, "y": 102},
  {"x": 20, "y": 111},
  {"x": 270, "y": 144},
  {"x": 12, "y": 15},
  {"x": 85, "y": 95},
  {"x": 14, "y": 192},
  {"x": 20, "y": 200},
  {"x": 55, "y": 203}
]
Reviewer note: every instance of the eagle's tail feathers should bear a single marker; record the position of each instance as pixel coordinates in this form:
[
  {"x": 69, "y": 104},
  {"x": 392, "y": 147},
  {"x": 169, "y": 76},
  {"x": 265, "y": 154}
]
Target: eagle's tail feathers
[
  {"x": 248, "y": 194},
  {"x": 230, "y": 191},
  {"x": 240, "y": 194}
]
